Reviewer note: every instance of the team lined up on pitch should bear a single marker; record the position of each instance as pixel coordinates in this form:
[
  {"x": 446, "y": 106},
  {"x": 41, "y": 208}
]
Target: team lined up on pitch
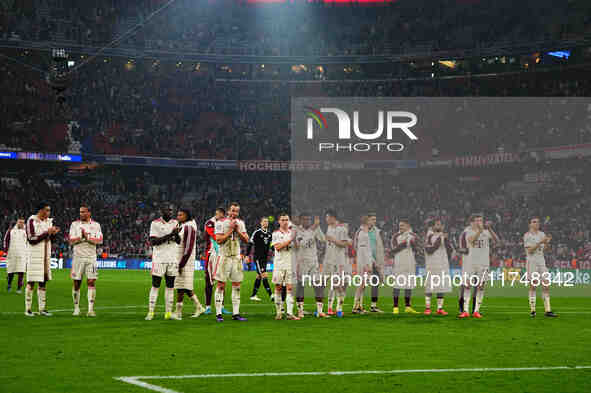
[{"x": 296, "y": 262}]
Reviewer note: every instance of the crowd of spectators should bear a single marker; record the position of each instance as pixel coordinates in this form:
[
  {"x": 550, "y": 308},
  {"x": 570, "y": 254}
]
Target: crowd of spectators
[
  {"x": 125, "y": 201},
  {"x": 133, "y": 109}
]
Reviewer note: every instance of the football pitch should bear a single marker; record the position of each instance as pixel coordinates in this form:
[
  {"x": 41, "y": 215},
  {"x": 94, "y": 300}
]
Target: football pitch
[{"x": 506, "y": 351}]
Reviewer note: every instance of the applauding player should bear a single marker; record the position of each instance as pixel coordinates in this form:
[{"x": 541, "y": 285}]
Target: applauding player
[
  {"x": 535, "y": 242},
  {"x": 228, "y": 266},
  {"x": 283, "y": 270},
  {"x": 85, "y": 235},
  {"x": 477, "y": 264},
  {"x": 164, "y": 233},
  {"x": 404, "y": 245},
  {"x": 437, "y": 251},
  {"x": 40, "y": 234}
]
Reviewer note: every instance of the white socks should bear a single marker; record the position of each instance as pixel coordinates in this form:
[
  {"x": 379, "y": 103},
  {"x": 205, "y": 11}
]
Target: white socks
[
  {"x": 428, "y": 302},
  {"x": 91, "y": 297},
  {"x": 340, "y": 299},
  {"x": 278, "y": 301},
  {"x": 28, "y": 298},
  {"x": 153, "y": 299},
  {"x": 300, "y": 308},
  {"x": 331, "y": 296},
  {"x": 41, "y": 299},
  {"x": 319, "y": 306},
  {"x": 235, "y": 300},
  {"x": 195, "y": 300},
  {"x": 289, "y": 303},
  {"x": 76, "y": 299},
  {"x": 532, "y": 299},
  {"x": 219, "y": 300},
  {"x": 467, "y": 299},
  {"x": 546, "y": 298},
  {"x": 439, "y": 303},
  {"x": 479, "y": 297},
  {"x": 168, "y": 299}
]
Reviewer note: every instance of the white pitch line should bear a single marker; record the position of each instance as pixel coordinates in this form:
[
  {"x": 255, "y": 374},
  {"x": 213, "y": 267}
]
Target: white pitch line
[
  {"x": 137, "y": 380},
  {"x": 145, "y": 385}
]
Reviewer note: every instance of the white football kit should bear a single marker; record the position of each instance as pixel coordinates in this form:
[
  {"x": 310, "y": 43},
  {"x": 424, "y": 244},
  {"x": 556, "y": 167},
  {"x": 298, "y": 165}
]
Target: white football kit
[
  {"x": 228, "y": 265},
  {"x": 84, "y": 260},
  {"x": 535, "y": 263},
  {"x": 283, "y": 260},
  {"x": 164, "y": 256}
]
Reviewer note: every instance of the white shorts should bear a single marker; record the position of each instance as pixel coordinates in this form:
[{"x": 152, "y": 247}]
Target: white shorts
[
  {"x": 475, "y": 274},
  {"x": 162, "y": 269},
  {"x": 537, "y": 272},
  {"x": 228, "y": 268},
  {"x": 309, "y": 271},
  {"x": 283, "y": 277},
  {"x": 185, "y": 278},
  {"x": 437, "y": 279},
  {"x": 17, "y": 264},
  {"x": 84, "y": 266}
]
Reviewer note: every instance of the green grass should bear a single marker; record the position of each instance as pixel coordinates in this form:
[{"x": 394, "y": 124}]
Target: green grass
[{"x": 67, "y": 354}]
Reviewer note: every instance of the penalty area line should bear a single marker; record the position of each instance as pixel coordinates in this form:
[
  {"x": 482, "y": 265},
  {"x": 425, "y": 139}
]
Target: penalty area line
[{"x": 137, "y": 380}]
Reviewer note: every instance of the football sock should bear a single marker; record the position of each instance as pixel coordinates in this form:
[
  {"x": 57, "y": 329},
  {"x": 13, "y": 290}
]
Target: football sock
[
  {"x": 255, "y": 289},
  {"x": 278, "y": 301},
  {"x": 21, "y": 279},
  {"x": 300, "y": 307},
  {"x": 76, "y": 298},
  {"x": 195, "y": 300},
  {"x": 41, "y": 299},
  {"x": 532, "y": 299},
  {"x": 479, "y": 297},
  {"x": 10, "y": 277},
  {"x": 91, "y": 297},
  {"x": 289, "y": 303},
  {"x": 267, "y": 286},
  {"x": 28, "y": 298},
  {"x": 168, "y": 299},
  {"x": 153, "y": 299},
  {"x": 427, "y": 300},
  {"x": 466, "y": 306},
  {"x": 219, "y": 300},
  {"x": 439, "y": 301},
  {"x": 179, "y": 308},
  {"x": 546, "y": 297},
  {"x": 235, "y": 300},
  {"x": 319, "y": 307},
  {"x": 396, "y": 296},
  {"x": 331, "y": 296},
  {"x": 340, "y": 299}
]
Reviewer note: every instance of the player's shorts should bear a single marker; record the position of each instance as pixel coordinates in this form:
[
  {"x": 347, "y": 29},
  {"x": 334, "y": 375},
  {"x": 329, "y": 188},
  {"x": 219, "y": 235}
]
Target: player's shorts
[
  {"x": 185, "y": 279},
  {"x": 404, "y": 275},
  {"x": 537, "y": 273},
  {"x": 36, "y": 271},
  {"x": 84, "y": 266},
  {"x": 16, "y": 264},
  {"x": 475, "y": 275},
  {"x": 260, "y": 265},
  {"x": 283, "y": 277},
  {"x": 228, "y": 268},
  {"x": 165, "y": 269},
  {"x": 307, "y": 272},
  {"x": 437, "y": 278}
]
